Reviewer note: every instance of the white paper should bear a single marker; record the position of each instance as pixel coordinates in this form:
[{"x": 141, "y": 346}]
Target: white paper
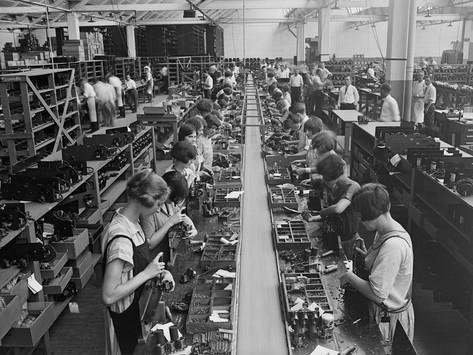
[
  {"x": 165, "y": 329},
  {"x": 215, "y": 317},
  {"x": 277, "y": 174},
  {"x": 313, "y": 306},
  {"x": 34, "y": 285},
  {"x": 224, "y": 273},
  {"x": 395, "y": 160},
  {"x": 284, "y": 236},
  {"x": 229, "y": 287},
  {"x": 234, "y": 194},
  {"x": 286, "y": 186},
  {"x": 321, "y": 350},
  {"x": 296, "y": 307},
  {"x": 186, "y": 351}
]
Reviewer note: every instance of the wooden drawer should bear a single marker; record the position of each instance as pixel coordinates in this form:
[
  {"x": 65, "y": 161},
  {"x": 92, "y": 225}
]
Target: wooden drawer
[
  {"x": 75, "y": 245},
  {"x": 9, "y": 315},
  {"x": 30, "y": 336},
  {"x": 55, "y": 267},
  {"x": 59, "y": 283},
  {"x": 80, "y": 265},
  {"x": 82, "y": 280}
]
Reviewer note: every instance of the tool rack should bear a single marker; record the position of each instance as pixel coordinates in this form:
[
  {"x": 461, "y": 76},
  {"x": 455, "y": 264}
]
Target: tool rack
[{"x": 290, "y": 235}]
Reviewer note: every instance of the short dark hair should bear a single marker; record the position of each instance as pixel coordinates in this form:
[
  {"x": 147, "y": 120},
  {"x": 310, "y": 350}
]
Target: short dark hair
[
  {"x": 371, "y": 201},
  {"x": 204, "y": 105},
  {"x": 270, "y": 75},
  {"x": 277, "y": 94},
  {"x": 331, "y": 167},
  {"x": 228, "y": 74},
  {"x": 197, "y": 122},
  {"x": 324, "y": 141},
  {"x": 294, "y": 118},
  {"x": 185, "y": 130},
  {"x": 212, "y": 121},
  {"x": 184, "y": 152},
  {"x": 314, "y": 125},
  {"x": 147, "y": 187},
  {"x": 177, "y": 183},
  {"x": 385, "y": 87},
  {"x": 298, "y": 107}
]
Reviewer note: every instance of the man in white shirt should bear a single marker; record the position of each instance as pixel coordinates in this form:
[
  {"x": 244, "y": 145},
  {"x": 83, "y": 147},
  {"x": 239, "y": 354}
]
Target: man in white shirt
[
  {"x": 106, "y": 96},
  {"x": 149, "y": 82},
  {"x": 296, "y": 82},
  {"x": 88, "y": 93},
  {"x": 325, "y": 73},
  {"x": 390, "y": 108},
  {"x": 370, "y": 72},
  {"x": 429, "y": 101},
  {"x": 207, "y": 85},
  {"x": 131, "y": 93},
  {"x": 348, "y": 96},
  {"x": 418, "y": 93},
  {"x": 117, "y": 85},
  {"x": 165, "y": 78},
  {"x": 285, "y": 72}
]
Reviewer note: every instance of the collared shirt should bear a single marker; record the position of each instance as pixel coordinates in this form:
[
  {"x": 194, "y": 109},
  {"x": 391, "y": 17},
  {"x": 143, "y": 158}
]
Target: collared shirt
[
  {"x": 204, "y": 146},
  {"x": 115, "y": 82},
  {"x": 348, "y": 95},
  {"x": 105, "y": 92},
  {"x": 209, "y": 83},
  {"x": 324, "y": 73},
  {"x": 88, "y": 91},
  {"x": 304, "y": 142},
  {"x": 390, "y": 110},
  {"x": 296, "y": 81},
  {"x": 122, "y": 249},
  {"x": 285, "y": 73},
  {"x": 370, "y": 73},
  {"x": 430, "y": 94},
  {"x": 130, "y": 84},
  {"x": 287, "y": 97}
]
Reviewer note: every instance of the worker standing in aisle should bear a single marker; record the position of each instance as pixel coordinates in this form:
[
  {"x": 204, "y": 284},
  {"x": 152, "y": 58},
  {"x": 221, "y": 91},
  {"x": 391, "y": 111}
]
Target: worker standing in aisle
[
  {"x": 149, "y": 82},
  {"x": 296, "y": 82},
  {"x": 390, "y": 108},
  {"x": 389, "y": 263},
  {"x": 117, "y": 85},
  {"x": 164, "y": 72},
  {"x": 207, "y": 85},
  {"x": 348, "y": 96},
  {"x": 88, "y": 93},
  {"x": 429, "y": 101},
  {"x": 418, "y": 94},
  {"x": 131, "y": 93},
  {"x": 105, "y": 94},
  {"x": 125, "y": 254}
]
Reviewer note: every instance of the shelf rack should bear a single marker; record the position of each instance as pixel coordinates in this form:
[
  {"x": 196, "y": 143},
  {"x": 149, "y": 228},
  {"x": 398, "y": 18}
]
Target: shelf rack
[{"x": 40, "y": 113}]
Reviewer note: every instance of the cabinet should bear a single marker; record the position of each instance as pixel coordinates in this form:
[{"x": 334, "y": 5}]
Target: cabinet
[{"x": 40, "y": 114}]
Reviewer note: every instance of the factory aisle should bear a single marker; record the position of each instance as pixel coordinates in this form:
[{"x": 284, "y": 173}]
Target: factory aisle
[{"x": 260, "y": 323}]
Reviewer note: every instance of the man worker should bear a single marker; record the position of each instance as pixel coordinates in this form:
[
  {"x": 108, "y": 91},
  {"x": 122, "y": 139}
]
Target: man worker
[
  {"x": 348, "y": 96},
  {"x": 88, "y": 94},
  {"x": 117, "y": 85},
  {"x": 390, "y": 108},
  {"x": 429, "y": 101},
  {"x": 418, "y": 93}
]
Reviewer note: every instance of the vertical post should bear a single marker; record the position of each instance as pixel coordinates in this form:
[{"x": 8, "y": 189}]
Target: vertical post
[
  {"x": 244, "y": 31},
  {"x": 130, "y": 41},
  {"x": 400, "y": 51},
  {"x": 324, "y": 33},
  {"x": 462, "y": 41},
  {"x": 410, "y": 61},
  {"x": 73, "y": 28},
  {"x": 300, "y": 46}
]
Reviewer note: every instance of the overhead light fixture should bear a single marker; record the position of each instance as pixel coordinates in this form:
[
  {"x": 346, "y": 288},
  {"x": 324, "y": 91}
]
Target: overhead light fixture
[
  {"x": 91, "y": 19},
  {"x": 335, "y": 6},
  {"x": 450, "y": 24},
  {"x": 373, "y": 25}
]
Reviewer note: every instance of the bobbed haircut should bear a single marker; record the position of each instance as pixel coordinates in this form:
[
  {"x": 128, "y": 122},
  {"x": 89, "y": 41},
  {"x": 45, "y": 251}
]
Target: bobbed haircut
[
  {"x": 324, "y": 141},
  {"x": 179, "y": 190},
  {"x": 185, "y": 130},
  {"x": 371, "y": 201},
  {"x": 331, "y": 167},
  {"x": 147, "y": 187},
  {"x": 204, "y": 105},
  {"x": 314, "y": 125},
  {"x": 298, "y": 107},
  {"x": 184, "y": 152},
  {"x": 197, "y": 122}
]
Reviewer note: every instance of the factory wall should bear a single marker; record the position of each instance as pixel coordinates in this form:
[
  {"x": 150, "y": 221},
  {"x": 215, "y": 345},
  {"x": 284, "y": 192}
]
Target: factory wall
[{"x": 274, "y": 40}]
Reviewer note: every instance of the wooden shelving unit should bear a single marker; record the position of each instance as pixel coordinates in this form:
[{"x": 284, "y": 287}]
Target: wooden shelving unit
[
  {"x": 77, "y": 255},
  {"x": 40, "y": 113}
]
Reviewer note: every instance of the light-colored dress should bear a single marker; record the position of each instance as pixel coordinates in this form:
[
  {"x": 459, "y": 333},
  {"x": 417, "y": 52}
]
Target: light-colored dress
[{"x": 418, "y": 92}]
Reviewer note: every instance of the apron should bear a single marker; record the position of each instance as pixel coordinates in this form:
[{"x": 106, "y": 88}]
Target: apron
[
  {"x": 384, "y": 317},
  {"x": 128, "y": 324},
  {"x": 417, "y": 110}
]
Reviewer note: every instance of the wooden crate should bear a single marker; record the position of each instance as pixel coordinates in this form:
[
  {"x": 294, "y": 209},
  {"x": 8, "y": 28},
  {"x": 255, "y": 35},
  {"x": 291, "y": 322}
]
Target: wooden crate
[
  {"x": 9, "y": 314},
  {"x": 290, "y": 235},
  {"x": 54, "y": 267},
  {"x": 58, "y": 284},
  {"x": 30, "y": 336},
  {"x": 75, "y": 245},
  {"x": 221, "y": 192}
]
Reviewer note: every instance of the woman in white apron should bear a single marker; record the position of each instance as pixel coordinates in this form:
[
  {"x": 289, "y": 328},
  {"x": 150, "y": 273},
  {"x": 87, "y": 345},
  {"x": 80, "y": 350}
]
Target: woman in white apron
[
  {"x": 418, "y": 93},
  {"x": 389, "y": 262}
]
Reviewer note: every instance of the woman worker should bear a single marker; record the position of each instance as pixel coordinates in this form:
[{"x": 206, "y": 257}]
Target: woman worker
[
  {"x": 389, "y": 262},
  {"x": 125, "y": 255}
]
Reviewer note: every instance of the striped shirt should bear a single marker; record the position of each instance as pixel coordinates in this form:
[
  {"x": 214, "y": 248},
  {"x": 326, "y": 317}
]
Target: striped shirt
[{"x": 122, "y": 249}]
